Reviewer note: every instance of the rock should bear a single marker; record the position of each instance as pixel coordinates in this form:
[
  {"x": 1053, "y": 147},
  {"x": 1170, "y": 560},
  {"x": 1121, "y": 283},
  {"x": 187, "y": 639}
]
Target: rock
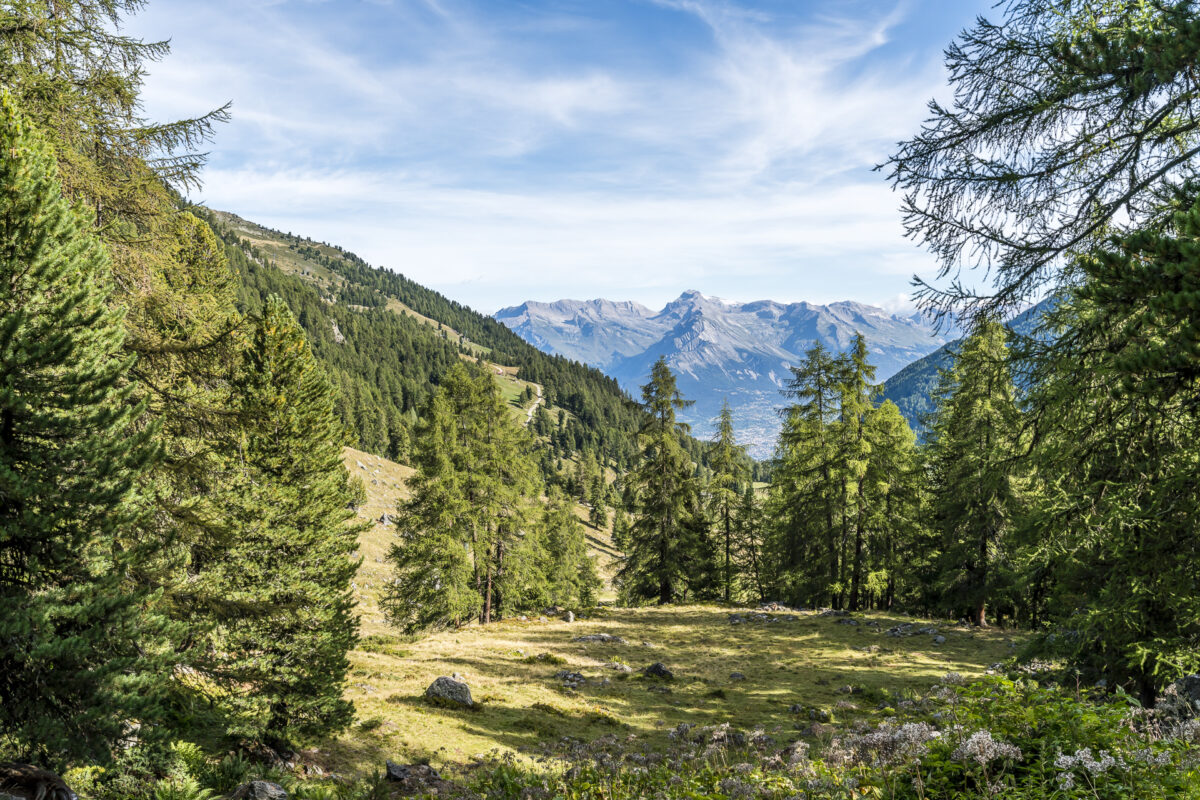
[
  {"x": 829, "y": 612},
  {"x": 569, "y": 616},
  {"x": 658, "y": 670},
  {"x": 602, "y": 638},
  {"x": 571, "y": 680},
  {"x": 736, "y": 676},
  {"x": 450, "y": 692},
  {"x": 20, "y": 781},
  {"x": 939, "y": 639},
  {"x": 415, "y": 779},
  {"x": 338, "y": 336},
  {"x": 385, "y": 518},
  {"x": 661, "y": 689},
  {"x": 619, "y": 667},
  {"x": 259, "y": 790},
  {"x": 847, "y": 621},
  {"x": 406, "y": 772}
]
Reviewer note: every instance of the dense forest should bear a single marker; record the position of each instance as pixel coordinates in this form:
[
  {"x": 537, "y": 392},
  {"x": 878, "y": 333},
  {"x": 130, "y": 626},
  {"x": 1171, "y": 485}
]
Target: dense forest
[{"x": 179, "y": 542}]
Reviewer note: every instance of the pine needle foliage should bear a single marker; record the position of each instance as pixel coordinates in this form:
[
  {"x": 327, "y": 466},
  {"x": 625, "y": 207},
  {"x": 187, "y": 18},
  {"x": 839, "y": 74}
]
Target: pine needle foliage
[
  {"x": 78, "y": 652},
  {"x": 280, "y": 650}
]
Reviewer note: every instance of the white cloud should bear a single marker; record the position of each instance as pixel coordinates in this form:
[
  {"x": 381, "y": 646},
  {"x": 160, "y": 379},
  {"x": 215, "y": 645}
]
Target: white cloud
[{"x": 464, "y": 163}]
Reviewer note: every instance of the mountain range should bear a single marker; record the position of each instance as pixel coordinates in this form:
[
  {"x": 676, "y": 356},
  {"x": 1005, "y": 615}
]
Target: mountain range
[{"x": 720, "y": 350}]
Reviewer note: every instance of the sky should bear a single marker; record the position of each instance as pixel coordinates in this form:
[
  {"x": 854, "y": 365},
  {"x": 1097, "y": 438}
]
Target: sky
[{"x": 508, "y": 150}]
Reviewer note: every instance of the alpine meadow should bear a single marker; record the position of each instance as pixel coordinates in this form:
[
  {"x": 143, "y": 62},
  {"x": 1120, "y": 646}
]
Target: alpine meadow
[{"x": 278, "y": 522}]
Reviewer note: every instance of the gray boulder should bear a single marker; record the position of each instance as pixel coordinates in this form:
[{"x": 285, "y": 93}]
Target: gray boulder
[
  {"x": 408, "y": 772},
  {"x": 602, "y": 638},
  {"x": 736, "y": 676},
  {"x": 939, "y": 639},
  {"x": 569, "y": 616},
  {"x": 259, "y": 790},
  {"x": 658, "y": 670},
  {"x": 450, "y": 692}
]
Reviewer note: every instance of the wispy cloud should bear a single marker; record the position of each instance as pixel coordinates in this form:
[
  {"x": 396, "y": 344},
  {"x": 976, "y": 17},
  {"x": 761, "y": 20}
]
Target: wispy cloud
[{"x": 499, "y": 155}]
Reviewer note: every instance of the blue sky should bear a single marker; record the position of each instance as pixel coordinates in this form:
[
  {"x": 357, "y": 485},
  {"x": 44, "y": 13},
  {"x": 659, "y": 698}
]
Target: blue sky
[{"x": 536, "y": 149}]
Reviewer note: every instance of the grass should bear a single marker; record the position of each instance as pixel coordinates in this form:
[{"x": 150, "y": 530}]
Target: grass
[{"x": 804, "y": 662}]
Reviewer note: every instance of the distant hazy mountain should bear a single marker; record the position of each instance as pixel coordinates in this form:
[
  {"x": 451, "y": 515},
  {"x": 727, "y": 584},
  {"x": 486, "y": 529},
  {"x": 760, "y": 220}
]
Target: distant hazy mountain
[{"x": 718, "y": 350}]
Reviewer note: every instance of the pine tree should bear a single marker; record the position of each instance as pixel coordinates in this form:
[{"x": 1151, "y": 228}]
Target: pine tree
[
  {"x": 973, "y": 473},
  {"x": 78, "y": 651},
  {"x": 662, "y": 545},
  {"x": 750, "y": 542},
  {"x": 728, "y": 477},
  {"x": 288, "y": 573},
  {"x": 807, "y": 499},
  {"x": 434, "y": 582}
]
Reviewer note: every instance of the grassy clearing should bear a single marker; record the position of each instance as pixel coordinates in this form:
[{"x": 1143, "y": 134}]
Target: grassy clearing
[{"x": 807, "y": 661}]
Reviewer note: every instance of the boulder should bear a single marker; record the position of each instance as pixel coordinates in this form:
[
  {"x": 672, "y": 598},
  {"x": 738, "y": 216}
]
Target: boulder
[
  {"x": 407, "y": 772},
  {"x": 658, "y": 670},
  {"x": 939, "y": 639},
  {"x": 21, "y": 781},
  {"x": 259, "y": 790},
  {"x": 569, "y": 616},
  {"x": 602, "y": 638},
  {"x": 619, "y": 667},
  {"x": 736, "y": 676},
  {"x": 450, "y": 692}
]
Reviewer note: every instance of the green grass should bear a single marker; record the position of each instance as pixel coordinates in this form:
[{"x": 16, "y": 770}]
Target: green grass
[{"x": 805, "y": 662}]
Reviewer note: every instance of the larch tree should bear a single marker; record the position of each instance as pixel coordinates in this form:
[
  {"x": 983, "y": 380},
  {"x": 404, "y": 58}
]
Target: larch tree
[
  {"x": 661, "y": 538},
  {"x": 974, "y": 472},
  {"x": 728, "y": 477},
  {"x": 1114, "y": 521}
]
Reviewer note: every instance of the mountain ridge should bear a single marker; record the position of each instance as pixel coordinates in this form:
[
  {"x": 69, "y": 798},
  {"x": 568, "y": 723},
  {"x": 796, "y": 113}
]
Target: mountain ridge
[{"x": 719, "y": 349}]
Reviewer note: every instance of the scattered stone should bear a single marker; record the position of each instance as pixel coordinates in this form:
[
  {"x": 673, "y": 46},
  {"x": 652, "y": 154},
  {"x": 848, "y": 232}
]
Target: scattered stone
[
  {"x": 850, "y": 689},
  {"x": 543, "y": 619},
  {"x": 868, "y": 648},
  {"x": 776, "y": 606},
  {"x": 450, "y": 692},
  {"x": 416, "y": 778},
  {"x": 619, "y": 667},
  {"x": 829, "y": 612},
  {"x": 385, "y": 519},
  {"x": 569, "y": 616},
  {"x": 259, "y": 790},
  {"x": 570, "y": 680},
  {"x": 658, "y": 670},
  {"x": 602, "y": 638},
  {"x": 736, "y": 676},
  {"x": 939, "y": 639},
  {"x": 812, "y": 712},
  {"x": 847, "y": 621}
]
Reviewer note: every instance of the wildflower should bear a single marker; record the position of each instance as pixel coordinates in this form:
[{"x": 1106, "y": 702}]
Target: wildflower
[{"x": 982, "y": 749}]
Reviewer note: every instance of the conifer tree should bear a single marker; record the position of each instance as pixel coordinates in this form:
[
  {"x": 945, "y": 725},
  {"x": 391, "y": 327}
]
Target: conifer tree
[
  {"x": 434, "y": 582},
  {"x": 807, "y": 493},
  {"x": 78, "y": 652},
  {"x": 662, "y": 542},
  {"x": 973, "y": 472},
  {"x": 891, "y": 495},
  {"x": 1111, "y": 544},
  {"x": 750, "y": 542},
  {"x": 288, "y": 573},
  {"x": 856, "y": 395},
  {"x": 728, "y": 477}
]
